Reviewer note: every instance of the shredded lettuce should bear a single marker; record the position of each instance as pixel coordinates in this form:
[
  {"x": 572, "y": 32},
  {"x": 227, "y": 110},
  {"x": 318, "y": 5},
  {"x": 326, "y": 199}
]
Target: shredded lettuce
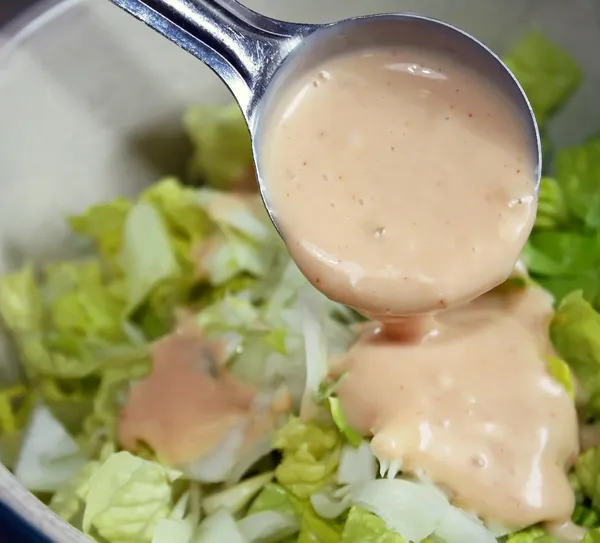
[
  {"x": 552, "y": 212},
  {"x": 273, "y": 498},
  {"x": 560, "y": 370},
  {"x": 68, "y": 502},
  {"x": 126, "y": 497},
  {"x": 362, "y": 526},
  {"x": 353, "y": 437},
  {"x": 103, "y": 224},
  {"x": 16, "y": 404},
  {"x": 357, "y": 464},
  {"x": 547, "y": 73},
  {"x": 531, "y": 535},
  {"x": 223, "y": 153},
  {"x": 575, "y": 333},
  {"x": 563, "y": 253},
  {"x": 268, "y": 527},
  {"x": 587, "y": 470},
  {"x": 577, "y": 172},
  {"x": 49, "y": 456},
  {"x": 238, "y": 497},
  {"x": 593, "y": 536},
  {"x": 147, "y": 254},
  {"x": 311, "y": 456},
  {"x": 219, "y": 528}
]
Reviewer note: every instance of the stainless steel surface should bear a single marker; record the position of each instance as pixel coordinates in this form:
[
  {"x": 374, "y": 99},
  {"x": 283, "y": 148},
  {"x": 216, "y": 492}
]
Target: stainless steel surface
[
  {"x": 257, "y": 56},
  {"x": 243, "y": 47}
]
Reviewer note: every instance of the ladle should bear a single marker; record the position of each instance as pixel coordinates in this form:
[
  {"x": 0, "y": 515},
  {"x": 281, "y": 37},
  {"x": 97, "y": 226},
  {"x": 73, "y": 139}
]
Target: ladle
[{"x": 257, "y": 57}]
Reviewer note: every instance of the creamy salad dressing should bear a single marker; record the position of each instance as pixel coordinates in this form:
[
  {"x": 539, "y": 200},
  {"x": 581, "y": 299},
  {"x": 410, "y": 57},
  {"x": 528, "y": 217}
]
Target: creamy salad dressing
[
  {"x": 403, "y": 186},
  {"x": 402, "y": 182},
  {"x": 470, "y": 405},
  {"x": 188, "y": 403}
]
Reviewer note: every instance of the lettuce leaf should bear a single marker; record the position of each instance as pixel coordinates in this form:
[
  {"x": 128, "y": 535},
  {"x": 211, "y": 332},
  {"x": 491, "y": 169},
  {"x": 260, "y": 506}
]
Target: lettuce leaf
[
  {"x": 362, "y": 526},
  {"x": 236, "y": 498},
  {"x": 531, "y": 535},
  {"x": 222, "y": 155},
  {"x": 546, "y": 72},
  {"x": 585, "y": 517},
  {"x": 552, "y": 212},
  {"x": 575, "y": 333},
  {"x": 147, "y": 254},
  {"x": 219, "y": 528},
  {"x": 49, "y": 456},
  {"x": 587, "y": 470},
  {"x": 21, "y": 303},
  {"x": 352, "y": 436},
  {"x": 577, "y": 172},
  {"x": 16, "y": 404},
  {"x": 186, "y": 222},
  {"x": 357, "y": 464},
  {"x": 314, "y": 529},
  {"x": 311, "y": 456},
  {"x": 273, "y": 498},
  {"x": 68, "y": 501},
  {"x": 103, "y": 224},
  {"x": 560, "y": 370},
  {"x": 127, "y": 495},
  {"x": 593, "y": 536},
  {"x": 268, "y": 527}
]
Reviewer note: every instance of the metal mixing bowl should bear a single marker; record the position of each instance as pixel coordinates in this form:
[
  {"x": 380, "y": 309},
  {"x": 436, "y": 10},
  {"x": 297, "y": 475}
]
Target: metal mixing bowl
[{"x": 90, "y": 108}]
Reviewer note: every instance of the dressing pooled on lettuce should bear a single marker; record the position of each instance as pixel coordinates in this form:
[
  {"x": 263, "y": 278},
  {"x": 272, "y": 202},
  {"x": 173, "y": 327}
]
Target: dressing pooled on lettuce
[{"x": 183, "y": 382}]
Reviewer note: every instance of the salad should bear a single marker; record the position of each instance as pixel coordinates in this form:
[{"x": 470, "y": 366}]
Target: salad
[{"x": 176, "y": 373}]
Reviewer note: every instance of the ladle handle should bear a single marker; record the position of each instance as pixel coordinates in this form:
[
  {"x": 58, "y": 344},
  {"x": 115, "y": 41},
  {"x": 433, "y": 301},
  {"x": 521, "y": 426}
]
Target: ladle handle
[{"x": 243, "y": 47}]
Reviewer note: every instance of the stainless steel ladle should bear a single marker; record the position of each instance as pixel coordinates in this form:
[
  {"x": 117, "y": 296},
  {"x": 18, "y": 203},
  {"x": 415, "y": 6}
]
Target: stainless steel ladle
[{"x": 257, "y": 57}]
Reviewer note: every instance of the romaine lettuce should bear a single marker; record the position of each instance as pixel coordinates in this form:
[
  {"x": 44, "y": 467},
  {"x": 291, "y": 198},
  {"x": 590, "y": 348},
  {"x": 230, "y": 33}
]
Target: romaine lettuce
[
  {"x": 575, "y": 333},
  {"x": 311, "y": 456},
  {"x": 126, "y": 497},
  {"x": 547, "y": 73}
]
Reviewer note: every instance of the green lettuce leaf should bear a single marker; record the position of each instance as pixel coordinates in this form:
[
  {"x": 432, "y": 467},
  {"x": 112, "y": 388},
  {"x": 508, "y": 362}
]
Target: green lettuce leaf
[
  {"x": 314, "y": 529},
  {"x": 560, "y": 370},
  {"x": 16, "y": 404},
  {"x": 577, "y": 173},
  {"x": 531, "y": 535},
  {"x": 127, "y": 495},
  {"x": 68, "y": 501},
  {"x": 219, "y": 528},
  {"x": 352, "y": 436},
  {"x": 101, "y": 425},
  {"x": 587, "y": 470},
  {"x": 147, "y": 253},
  {"x": 186, "y": 221},
  {"x": 21, "y": 303},
  {"x": 82, "y": 302},
  {"x": 555, "y": 253},
  {"x": 103, "y": 223},
  {"x": 274, "y": 498},
  {"x": 575, "y": 333},
  {"x": 593, "y": 536},
  {"x": 585, "y": 517},
  {"x": 222, "y": 155},
  {"x": 236, "y": 498},
  {"x": 311, "y": 456},
  {"x": 49, "y": 457},
  {"x": 552, "y": 212},
  {"x": 547, "y": 73},
  {"x": 170, "y": 530},
  {"x": 362, "y": 526}
]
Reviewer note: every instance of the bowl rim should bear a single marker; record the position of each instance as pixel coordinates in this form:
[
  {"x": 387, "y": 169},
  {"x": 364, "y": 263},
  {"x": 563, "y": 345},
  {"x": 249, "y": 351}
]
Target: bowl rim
[{"x": 39, "y": 518}]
